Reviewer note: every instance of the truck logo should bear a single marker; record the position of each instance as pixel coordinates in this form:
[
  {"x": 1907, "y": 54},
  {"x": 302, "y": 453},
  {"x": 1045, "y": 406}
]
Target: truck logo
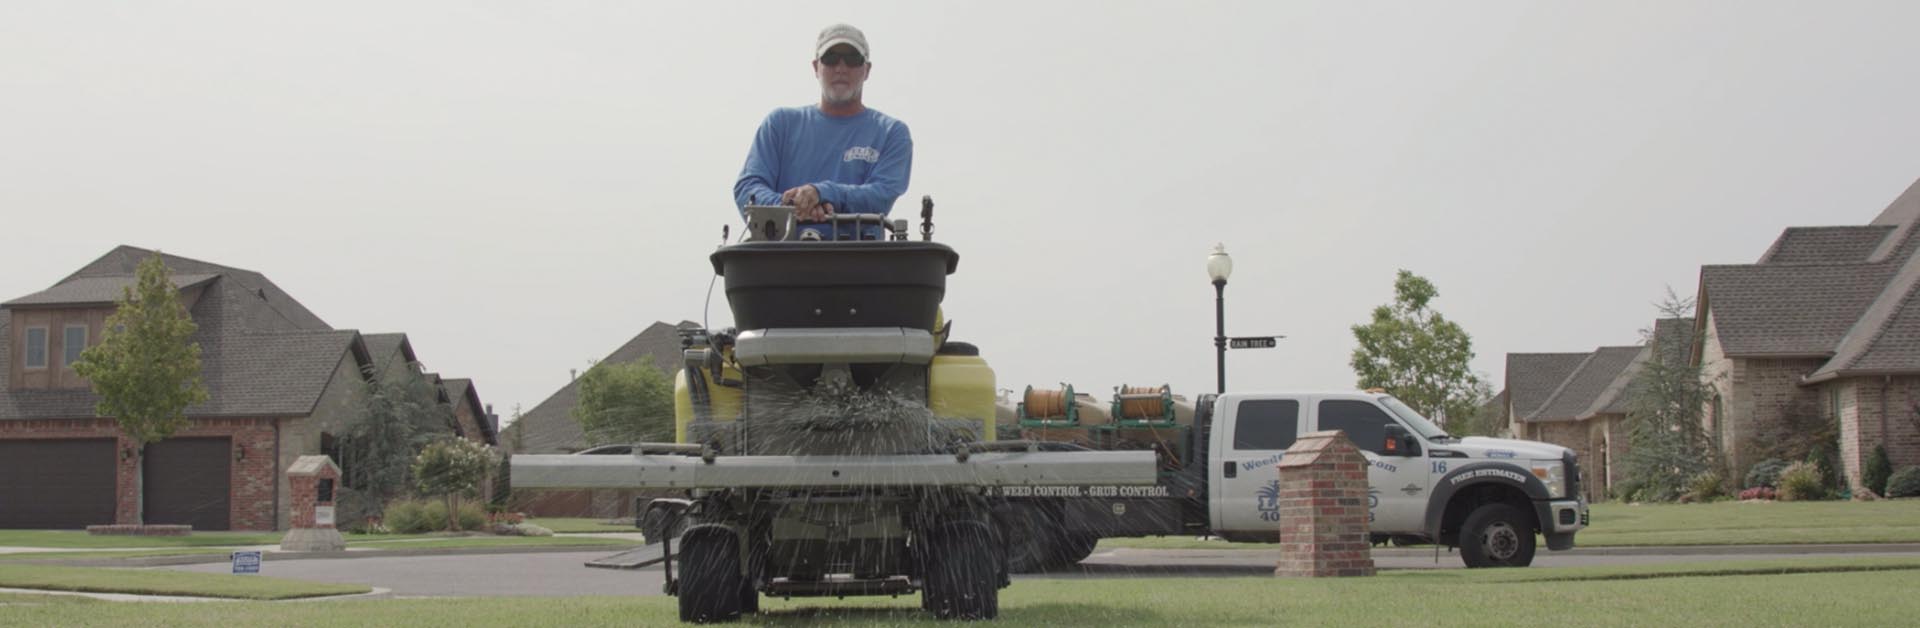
[
  {"x": 1268, "y": 501},
  {"x": 1263, "y": 462},
  {"x": 1373, "y": 499},
  {"x": 1411, "y": 490}
]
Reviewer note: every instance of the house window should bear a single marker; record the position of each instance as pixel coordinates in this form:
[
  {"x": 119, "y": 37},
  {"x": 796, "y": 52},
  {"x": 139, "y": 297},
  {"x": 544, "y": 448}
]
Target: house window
[
  {"x": 36, "y": 348},
  {"x": 72, "y": 343}
]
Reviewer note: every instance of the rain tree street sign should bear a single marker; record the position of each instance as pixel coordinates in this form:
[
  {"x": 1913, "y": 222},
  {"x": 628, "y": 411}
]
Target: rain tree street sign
[{"x": 1254, "y": 342}]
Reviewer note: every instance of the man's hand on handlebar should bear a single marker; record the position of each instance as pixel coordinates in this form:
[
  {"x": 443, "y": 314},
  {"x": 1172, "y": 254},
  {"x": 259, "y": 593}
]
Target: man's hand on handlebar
[{"x": 806, "y": 204}]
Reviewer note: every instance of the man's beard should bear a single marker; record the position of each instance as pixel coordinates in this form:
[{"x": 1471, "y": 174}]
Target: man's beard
[{"x": 845, "y": 96}]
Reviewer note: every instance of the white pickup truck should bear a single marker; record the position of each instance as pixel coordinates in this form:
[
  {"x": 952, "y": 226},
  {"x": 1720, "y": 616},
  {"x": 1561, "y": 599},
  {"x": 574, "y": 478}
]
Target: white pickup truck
[{"x": 1488, "y": 497}]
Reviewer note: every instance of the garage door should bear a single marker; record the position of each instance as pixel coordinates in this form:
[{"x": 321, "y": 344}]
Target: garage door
[
  {"x": 187, "y": 480},
  {"x": 55, "y": 484}
]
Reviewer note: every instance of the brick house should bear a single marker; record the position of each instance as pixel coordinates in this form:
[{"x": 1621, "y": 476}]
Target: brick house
[
  {"x": 1585, "y": 410},
  {"x": 1581, "y": 400},
  {"x": 1823, "y": 328},
  {"x": 549, "y": 428},
  {"x": 280, "y": 383}
]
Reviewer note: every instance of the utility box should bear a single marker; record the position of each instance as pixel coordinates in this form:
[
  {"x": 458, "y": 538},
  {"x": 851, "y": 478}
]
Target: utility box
[{"x": 312, "y": 480}]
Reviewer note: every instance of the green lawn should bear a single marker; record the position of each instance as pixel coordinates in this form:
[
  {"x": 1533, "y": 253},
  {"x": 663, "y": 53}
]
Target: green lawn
[
  {"x": 79, "y": 539},
  {"x": 147, "y": 582},
  {"x": 491, "y": 541},
  {"x": 184, "y": 551},
  {"x": 584, "y": 525},
  {"x": 1718, "y": 523},
  {"x": 1519, "y": 597}
]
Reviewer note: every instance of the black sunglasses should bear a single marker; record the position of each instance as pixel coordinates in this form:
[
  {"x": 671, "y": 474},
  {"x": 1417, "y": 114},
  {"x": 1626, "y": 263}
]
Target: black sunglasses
[{"x": 852, "y": 59}]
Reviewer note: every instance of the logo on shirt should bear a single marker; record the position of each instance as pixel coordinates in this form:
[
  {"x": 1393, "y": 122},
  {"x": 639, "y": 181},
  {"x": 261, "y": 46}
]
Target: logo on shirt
[{"x": 862, "y": 153}]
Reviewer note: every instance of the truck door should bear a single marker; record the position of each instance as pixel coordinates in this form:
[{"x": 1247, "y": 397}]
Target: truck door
[
  {"x": 1244, "y": 485},
  {"x": 1398, "y": 481}
]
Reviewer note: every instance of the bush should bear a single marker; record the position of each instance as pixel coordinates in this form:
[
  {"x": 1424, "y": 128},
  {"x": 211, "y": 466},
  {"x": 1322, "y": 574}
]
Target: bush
[
  {"x": 1905, "y": 483},
  {"x": 421, "y": 516},
  {"x": 411, "y": 517},
  {"x": 1878, "y": 470},
  {"x": 1705, "y": 486},
  {"x": 1626, "y": 491},
  {"x": 1802, "y": 481},
  {"x": 1758, "y": 492},
  {"x": 1823, "y": 456},
  {"x": 1766, "y": 473}
]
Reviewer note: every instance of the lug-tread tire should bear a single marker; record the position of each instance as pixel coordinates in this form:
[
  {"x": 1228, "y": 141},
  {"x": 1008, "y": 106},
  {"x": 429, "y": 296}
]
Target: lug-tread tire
[
  {"x": 963, "y": 576},
  {"x": 710, "y": 582},
  {"x": 1031, "y": 546},
  {"x": 1497, "y": 535}
]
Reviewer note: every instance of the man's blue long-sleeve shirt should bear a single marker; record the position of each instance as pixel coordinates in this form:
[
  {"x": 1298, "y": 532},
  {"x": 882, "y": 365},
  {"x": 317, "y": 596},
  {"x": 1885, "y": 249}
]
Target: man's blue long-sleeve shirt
[{"x": 859, "y": 163}]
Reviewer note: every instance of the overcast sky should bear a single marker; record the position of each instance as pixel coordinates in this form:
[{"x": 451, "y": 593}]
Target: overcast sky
[{"x": 521, "y": 187}]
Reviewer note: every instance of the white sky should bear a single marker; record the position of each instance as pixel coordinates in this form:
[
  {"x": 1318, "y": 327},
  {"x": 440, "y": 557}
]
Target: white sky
[{"x": 521, "y": 187}]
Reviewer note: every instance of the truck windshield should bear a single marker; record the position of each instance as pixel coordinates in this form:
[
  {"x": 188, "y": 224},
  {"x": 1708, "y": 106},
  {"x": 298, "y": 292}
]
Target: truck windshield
[{"x": 1419, "y": 423}]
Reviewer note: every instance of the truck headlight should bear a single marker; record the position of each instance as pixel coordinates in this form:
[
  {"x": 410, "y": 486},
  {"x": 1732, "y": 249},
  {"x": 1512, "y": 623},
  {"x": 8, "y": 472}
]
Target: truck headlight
[{"x": 1553, "y": 473}]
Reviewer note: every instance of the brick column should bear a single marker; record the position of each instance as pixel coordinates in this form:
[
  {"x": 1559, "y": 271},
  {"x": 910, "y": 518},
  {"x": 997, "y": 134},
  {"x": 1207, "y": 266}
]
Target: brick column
[
  {"x": 314, "y": 483},
  {"x": 1323, "y": 509}
]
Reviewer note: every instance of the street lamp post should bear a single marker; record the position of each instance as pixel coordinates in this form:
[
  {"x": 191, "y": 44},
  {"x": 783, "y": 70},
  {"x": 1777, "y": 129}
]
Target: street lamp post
[{"x": 1219, "y": 266}]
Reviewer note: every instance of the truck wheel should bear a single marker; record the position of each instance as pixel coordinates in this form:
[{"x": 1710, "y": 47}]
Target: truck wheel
[
  {"x": 1497, "y": 535},
  {"x": 1031, "y": 547},
  {"x": 964, "y": 576},
  {"x": 710, "y": 582},
  {"x": 1079, "y": 547}
]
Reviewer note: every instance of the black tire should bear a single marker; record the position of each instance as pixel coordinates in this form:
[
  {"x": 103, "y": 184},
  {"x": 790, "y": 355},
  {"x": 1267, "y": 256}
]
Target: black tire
[
  {"x": 1078, "y": 548},
  {"x": 749, "y": 598},
  {"x": 1032, "y": 547},
  {"x": 963, "y": 574},
  {"x": 710, "y": 582},
  {"x": 1497, "y": 535}
]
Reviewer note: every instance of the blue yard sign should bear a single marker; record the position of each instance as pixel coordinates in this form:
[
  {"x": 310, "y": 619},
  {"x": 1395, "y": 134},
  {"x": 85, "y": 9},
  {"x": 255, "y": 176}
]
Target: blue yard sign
[{"x": 246, "y": 562}]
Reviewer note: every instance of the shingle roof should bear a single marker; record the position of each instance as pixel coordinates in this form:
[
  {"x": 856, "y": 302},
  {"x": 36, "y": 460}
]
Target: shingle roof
[
  {"x": 1579, "y": 395},
  {"x": 461, "y": 389},
  {"x": 385, "y": 347},
  {"x": 1788, "y": 309},
  {"x": 1886, "y": 337},
  {"x": 286, "y": 313},
  {"x": 1532, "y": 378},
  {"x": 251, "y": 375},
  {"x": 98, "y": 290},
  {"x": 1826, "y": 245},
  {"x": 549, "y": 427},
  {"x": 262, "y": 353}
]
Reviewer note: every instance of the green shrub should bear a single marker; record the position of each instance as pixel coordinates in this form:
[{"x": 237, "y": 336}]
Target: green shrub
[
  {"x": 1904, "y": 483},
  {"x": 1878, "y": 470},
  {"x": 1706, "y": 486},
  {"x": 1802, "y": 481},
  {"x": 412, "y": 517},
  {"x": 1823, "y": 456},
  {"x": 1766, "y": 473}
]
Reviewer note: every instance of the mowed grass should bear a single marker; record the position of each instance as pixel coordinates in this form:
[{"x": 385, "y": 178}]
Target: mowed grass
[
  {"x": 1718, "y": 523},
  {"x": 79, "y": 539},
  {"x": 146, "y": 582},
  {"x": 584, "y": 525},
  {"x": 111, "y": 554},
  {"x": 1565, "y": 597},
  {"x": 468, "y": 542}
]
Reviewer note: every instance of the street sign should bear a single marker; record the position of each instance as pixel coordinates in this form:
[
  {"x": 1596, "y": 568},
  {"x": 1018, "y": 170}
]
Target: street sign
[
  {"x": 246, "y": 562},
  {"x": 1255, "y": 342}
]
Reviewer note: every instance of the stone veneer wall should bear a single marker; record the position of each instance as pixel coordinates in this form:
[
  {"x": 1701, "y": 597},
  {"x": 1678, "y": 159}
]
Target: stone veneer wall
[{"x": 339, "y": 404}]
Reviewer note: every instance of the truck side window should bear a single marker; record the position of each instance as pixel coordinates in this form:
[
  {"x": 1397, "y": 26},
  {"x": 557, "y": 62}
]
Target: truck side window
[
  {"x": 1364, "y": 423},
  {"x": 1266, "y": 424}
]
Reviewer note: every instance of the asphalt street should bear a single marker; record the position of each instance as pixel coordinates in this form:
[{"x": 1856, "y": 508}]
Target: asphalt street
[{"x": 565, "y": 574}]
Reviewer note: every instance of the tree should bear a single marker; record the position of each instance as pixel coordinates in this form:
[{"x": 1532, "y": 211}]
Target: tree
[
  {"x": 146, "y": 369},
  {"x": 1418, "y": 355},
  {"x": 452, "y": 468},
  {"x": 398, "y": 417},
  {"x": 625, "y": 403},
  {"x": 1668, "y": 444}
]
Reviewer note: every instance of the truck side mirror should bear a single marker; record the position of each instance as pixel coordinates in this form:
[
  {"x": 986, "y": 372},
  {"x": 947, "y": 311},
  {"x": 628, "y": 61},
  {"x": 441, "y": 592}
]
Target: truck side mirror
[{"x": 1397, "y": 442}]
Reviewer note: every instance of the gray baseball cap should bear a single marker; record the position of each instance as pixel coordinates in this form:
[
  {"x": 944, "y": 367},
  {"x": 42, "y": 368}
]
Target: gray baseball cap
[{"x": 841, "y": 34}]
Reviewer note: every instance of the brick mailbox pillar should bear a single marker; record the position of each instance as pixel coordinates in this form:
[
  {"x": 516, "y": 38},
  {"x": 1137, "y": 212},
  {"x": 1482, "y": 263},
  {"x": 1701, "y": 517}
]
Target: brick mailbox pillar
[
  {"x": 1323, "y": 509},
  {"x": 314, "y": 482}
]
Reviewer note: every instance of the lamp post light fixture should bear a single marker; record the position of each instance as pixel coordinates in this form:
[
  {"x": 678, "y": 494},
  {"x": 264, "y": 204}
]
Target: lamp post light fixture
[{"x": 1219, "y": 267}]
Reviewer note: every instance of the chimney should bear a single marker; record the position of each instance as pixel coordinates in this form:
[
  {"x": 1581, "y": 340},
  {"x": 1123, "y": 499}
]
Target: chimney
[{"x": 573, "y": 374}]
